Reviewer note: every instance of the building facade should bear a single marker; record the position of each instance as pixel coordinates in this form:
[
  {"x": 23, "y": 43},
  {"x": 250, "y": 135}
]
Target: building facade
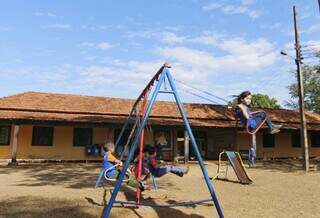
[{"x": 59, "y": 127}]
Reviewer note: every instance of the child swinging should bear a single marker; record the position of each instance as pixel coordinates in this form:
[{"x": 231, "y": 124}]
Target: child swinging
[
  {"x": 111, "y": 171},
  {"x": 158, "y": 171},
  {"x": 253, "y": 120}
]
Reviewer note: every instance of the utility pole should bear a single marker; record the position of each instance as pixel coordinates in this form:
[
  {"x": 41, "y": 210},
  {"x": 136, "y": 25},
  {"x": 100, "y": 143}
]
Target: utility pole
[{"x": 303, "y": 127}]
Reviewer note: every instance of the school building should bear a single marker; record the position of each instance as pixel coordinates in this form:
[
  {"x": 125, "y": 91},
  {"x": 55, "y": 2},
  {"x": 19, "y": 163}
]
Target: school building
[{"x": 49, "y": 126}]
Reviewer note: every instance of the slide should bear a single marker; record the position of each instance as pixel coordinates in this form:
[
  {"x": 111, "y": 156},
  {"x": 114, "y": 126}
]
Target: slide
[{"x": 238, "y": 167}]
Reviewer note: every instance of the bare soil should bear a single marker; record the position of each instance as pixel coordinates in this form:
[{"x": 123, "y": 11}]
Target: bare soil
[{"x": 67, "y": 190}]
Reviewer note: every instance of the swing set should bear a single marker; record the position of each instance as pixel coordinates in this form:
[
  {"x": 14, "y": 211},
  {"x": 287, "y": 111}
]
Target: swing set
[{"x": 141, "y": 109}]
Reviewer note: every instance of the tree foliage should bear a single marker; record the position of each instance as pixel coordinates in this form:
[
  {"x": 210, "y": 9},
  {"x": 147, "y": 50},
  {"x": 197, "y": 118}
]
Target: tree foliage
[
  {"x": 261, "y": 101},
  {"x": 311, "y": 83},
  {"x": 264, "y": 101}
]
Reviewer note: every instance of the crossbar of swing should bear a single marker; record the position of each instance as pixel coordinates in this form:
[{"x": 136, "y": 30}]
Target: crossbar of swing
[
  {"x": 133, "y": 110},
  {"x": 166, "y": 92},
  {"x": 145, "y": 90},
  {"x": 149, "y": 85},
  {"x": 178, "y": 204}
]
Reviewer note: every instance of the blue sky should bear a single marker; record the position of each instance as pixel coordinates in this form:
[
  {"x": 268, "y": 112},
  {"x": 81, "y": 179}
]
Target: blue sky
[{"x": 112, "y": 48}]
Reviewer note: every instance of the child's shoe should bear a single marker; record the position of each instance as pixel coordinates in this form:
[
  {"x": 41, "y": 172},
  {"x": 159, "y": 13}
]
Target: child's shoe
[
  {"x": 274, "y": 130},
  {"x": 277, "y": 126},
  {"x": 143, "y": 186},
  {"x": 180, "y": 174}
]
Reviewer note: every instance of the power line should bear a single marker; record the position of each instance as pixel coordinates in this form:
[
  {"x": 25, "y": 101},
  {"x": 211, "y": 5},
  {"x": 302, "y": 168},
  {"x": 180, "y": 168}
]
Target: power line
[
  {"x": 310, "y": 45},
  {"x": 312, "y": 49},
  {"x": 203, "y": 91},
  {"x": 199, "y": 96}
]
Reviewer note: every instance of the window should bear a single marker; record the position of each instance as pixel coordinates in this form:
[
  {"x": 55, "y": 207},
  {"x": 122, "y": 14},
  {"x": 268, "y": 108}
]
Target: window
[
  {"x": 295, "y": 140},
  {"x": 5, "y": 132},
  {"x": 315, "y": 139},
  {"x": 42, "y": 136},
  {"x": 82, "y": 136},
  {"x": 268, "y": 140}
]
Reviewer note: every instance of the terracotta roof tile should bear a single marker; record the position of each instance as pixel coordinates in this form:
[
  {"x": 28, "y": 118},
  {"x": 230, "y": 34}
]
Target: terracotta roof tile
[{"x": 78, "y": 108}]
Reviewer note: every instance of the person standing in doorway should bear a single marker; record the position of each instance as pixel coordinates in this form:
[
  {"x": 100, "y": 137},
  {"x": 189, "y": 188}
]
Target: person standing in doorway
[{"x": 252, "y": 156}]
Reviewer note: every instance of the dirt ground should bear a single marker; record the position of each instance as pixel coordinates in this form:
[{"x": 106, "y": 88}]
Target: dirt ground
[{"x": 66, "y": 190}]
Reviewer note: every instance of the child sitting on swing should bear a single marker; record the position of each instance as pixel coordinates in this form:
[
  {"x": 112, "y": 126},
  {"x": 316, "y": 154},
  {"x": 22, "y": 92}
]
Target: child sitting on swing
[
  {"x": 253, "y": 119},
  {"x": 110, "y": 163},
  {"x": 158, "y": 171}
]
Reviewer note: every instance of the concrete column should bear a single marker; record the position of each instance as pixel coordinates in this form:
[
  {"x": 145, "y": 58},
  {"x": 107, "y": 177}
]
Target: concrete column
[
  {"x": 254, "y": 142},
  {"x": 186, "y": 147},
  {"x": 15, "y": 144}
]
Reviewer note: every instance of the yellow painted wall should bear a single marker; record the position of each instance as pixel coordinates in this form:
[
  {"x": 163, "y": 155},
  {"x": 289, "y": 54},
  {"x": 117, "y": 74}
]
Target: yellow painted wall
[
  {"x": 283, "y": 146},
  {"x": 63, "y": 144},
  {"x": 62, "y": 148}
]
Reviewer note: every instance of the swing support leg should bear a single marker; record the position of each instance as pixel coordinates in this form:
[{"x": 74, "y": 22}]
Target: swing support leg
[
  {"x": 144, "y": 106},
  {"x": 165, "y": 73},
  {"x": 195, "y": 147},
  {"x": 107, "y": 209}
]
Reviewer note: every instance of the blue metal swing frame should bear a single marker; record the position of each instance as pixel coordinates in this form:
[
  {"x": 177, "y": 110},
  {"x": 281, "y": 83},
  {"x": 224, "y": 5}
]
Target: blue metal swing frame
[{"x": 160, "y": 76}]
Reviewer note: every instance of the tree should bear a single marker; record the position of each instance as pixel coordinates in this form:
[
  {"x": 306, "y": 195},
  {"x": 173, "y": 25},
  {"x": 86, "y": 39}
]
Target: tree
[
  {"x": 261, "y": 101},
  {"x": 264, "y": 101},
  {"x": 311, "y": 83}
]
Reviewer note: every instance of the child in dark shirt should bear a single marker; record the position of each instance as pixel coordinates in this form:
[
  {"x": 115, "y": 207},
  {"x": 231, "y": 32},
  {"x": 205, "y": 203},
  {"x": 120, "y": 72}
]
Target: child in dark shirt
[
  {"x": 253, "y": 119},
  {"x": 159, "y": 171}
]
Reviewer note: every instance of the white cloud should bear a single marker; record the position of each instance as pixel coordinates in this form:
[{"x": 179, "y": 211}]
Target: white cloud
[
  {"x": 312, "y": 45},
  {"x": 5, "y": 29},
  {"x": 171, "y": 38},
  {"x": 242, "y": 9},
  {"x": 207, "y": 39},
  {"x": 241, "y": 56},
  {"x": 44, "y": 14},
  {"x": 87, "y": 44},
  {"x": 313, "y": 28},
  {"x": 274, "y": 26},
  {"x": 247, "y": 2},
  {"x": 230, "y": 9},
  {"x": 163, "y": 36},
  {"x": 104, "y": 45},
  {"x": 100, "y": 45},
  {"x": 63, "y": 26},
  {"x": 94, "y": 27},
  {"x": 212, "y": 6},
  {"x": 133, "y": 74}
]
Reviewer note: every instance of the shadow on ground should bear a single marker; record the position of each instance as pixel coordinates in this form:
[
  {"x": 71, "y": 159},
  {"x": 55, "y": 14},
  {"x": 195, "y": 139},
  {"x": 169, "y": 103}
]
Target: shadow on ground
[
  {"x": 36, "y": 207},
  {"x": 70, "y": 175},
  {"x": 284, "y": 165},
  {"x": 161, "y": 211}
]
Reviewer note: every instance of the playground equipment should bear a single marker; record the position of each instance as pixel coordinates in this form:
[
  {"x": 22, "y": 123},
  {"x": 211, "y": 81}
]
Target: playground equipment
[
  {"x": 233, "y": 159},
  {"x": 238, "y": 115},
  {"x": 103, "y": 175},
  {"x": 146, "y": 108}
]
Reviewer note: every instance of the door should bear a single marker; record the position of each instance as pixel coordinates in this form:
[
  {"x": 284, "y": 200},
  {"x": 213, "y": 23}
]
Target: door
[{"x": 201, "y": 140}]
